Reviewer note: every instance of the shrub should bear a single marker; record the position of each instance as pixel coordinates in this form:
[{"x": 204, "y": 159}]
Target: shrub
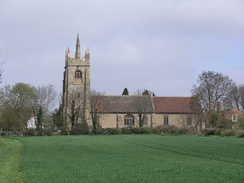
[
  {"x": 147, "y": 130},
  {"x": 241, "y": 122},
  {"x": 115, "y": 131},
  {"x": 98, "y": 131},
  {"x": 3, "y": 133},
  {"x": 182, "y": 131},
  {"x": 79, "y": 129},
  {"x": 126, "y": 130},
  {"x": 111, "y": 131},
  {"x": 29, "y": 132},
  {"x": 39, "y": 132},
  {"x": 64, "y": 131},
  {"x": 136, "y": 130},
  {"x": 211, "y": 131},
  {"x": 191, "y": 130},
  {"x": 240, "y": 133},
  {"x": 166, "y": 129},
  {"x": 207, "y": 131},
  {"x": 156, "y": 130},
  {"x": 228, "y": 133},
  {"x": 47, "y": 132}
]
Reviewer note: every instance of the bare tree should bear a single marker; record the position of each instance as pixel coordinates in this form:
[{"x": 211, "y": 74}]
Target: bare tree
[
  {"x": 75, "y": 108},
  {"x": 235, "y": 98},
  {"x": 241, "y": 96},
  {"x": 97, "y": 103},
  {"x": 142, "y": 104},
  {"x": 241, "y": 93},
  {"x": 211, "y": 89},
  {"x": 1, "y": 70},
  {"x": 45, "y": 99},
  {"x": 199, "y": 115}
]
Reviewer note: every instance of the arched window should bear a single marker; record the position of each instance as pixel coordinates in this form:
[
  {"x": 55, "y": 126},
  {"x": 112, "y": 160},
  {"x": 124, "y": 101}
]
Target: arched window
[
  {"x": 189, "y": 120},
  {"x": 129, "y": 120},
  {"x": 145, "y": 120},
  {"x": 166, "y": 120},
  {"x": 78, "y": 74}
]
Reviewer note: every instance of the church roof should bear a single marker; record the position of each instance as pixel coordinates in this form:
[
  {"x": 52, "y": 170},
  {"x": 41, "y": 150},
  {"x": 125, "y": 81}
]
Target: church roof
[
  {"x": 122, "y": 104},
  {"x": 126, "y": 104},
  {"x": 172, "y": 104}
]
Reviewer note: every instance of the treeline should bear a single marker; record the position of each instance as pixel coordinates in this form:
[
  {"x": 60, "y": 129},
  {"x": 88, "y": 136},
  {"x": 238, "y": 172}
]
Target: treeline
[
  {"x": 22, "y": 102},
  {"x": 213, "y": 95}
]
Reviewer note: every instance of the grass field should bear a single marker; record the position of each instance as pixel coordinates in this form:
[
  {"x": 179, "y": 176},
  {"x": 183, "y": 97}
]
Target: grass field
[
  {"x": 10, "y": 155},
  {"x": 132, "y": 158}
]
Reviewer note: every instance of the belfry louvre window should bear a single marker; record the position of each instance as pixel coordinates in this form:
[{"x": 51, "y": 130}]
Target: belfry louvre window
[
  {"x": 78, "y": 74},
  {"x": 129, "y": 120},
  {"x": 166, "y": 120}
]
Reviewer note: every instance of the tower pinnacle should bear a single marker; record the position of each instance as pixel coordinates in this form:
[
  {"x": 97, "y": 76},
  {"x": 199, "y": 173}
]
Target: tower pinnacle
[{"x": 77, "y": 51}]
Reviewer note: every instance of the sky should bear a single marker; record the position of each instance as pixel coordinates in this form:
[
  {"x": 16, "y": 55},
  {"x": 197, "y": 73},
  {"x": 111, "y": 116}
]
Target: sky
[{"x": 159, "y": 45}]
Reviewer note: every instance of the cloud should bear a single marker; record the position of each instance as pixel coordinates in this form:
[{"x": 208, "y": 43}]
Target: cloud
[{"x": 158, "y": 45}]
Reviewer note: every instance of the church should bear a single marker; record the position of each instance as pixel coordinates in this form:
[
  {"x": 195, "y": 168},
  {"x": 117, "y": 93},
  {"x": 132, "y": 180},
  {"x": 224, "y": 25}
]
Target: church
[{"x": 116, "y": 111}]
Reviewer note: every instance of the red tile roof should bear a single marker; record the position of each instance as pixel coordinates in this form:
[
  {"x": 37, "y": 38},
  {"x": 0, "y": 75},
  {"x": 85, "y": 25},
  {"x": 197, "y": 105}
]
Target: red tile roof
[
  {"x": 172, "y": 104},
  {"x": 228, "y": 114}
]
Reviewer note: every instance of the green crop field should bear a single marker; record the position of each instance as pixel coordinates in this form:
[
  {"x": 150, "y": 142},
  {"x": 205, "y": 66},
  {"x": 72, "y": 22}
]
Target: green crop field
[{"x": 126, "y": 158}]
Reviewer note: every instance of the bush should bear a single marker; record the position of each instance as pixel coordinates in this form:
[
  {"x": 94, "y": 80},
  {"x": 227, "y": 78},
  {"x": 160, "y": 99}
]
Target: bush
[
  {"x": 115, "y": 131},
  {"x": 156, "y": 130},
  {"x": 39, "y": 132},
  {"x": 98, "y": 131},
  {"x": 3, "y": 133},
  {"x": 147, "y": 130},
  {"x": 165, "y": 129},
  {"x": 79, "y": 129},
  {"x": 29, "y": 132},
  {"x": 240, "y": 133},
  {"x": 47, "y": 132},
  {"x": 111, "y": 131},
  {"x": 126, "y": 130},
  {"x": 211, "y": 131},
  {"x": 241, "y": 123},
  {"x": 64, "y": 131},
  {"x": 191, "y": 130},
  {"x": 44, "y": 132},
  {"x": 228, "y": 133},
  {"x": 182, "y": 131},
  {"x": 136, "y": 130}
]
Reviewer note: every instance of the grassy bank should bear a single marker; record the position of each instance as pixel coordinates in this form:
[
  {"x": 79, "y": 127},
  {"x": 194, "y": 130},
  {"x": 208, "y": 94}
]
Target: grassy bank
[
  {"x": 10, "y": 156},
  {"x": 132, "y": 158}
]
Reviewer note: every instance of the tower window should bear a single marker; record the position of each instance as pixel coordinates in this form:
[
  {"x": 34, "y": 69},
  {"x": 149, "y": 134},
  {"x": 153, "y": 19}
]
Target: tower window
[{"x": 78, "y": 74}]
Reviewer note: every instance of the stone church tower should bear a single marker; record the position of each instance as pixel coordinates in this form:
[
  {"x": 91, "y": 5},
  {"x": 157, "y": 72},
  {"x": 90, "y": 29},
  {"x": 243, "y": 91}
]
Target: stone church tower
[{"x": 76, "y": 86}]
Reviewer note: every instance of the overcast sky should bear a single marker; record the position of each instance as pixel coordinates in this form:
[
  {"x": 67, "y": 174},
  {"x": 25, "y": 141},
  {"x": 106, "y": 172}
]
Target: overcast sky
[{"x": 159, "y": 45}]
